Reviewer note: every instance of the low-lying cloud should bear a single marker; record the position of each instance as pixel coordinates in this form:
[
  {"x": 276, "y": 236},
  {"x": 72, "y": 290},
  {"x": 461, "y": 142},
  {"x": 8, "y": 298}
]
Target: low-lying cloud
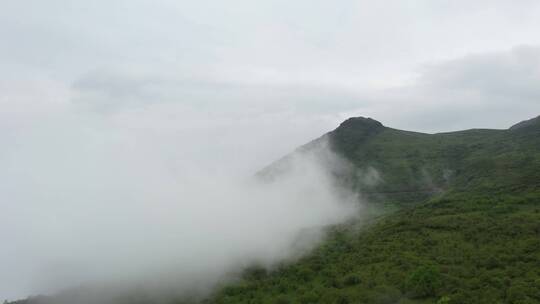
[{"x": 128, "y": 198}]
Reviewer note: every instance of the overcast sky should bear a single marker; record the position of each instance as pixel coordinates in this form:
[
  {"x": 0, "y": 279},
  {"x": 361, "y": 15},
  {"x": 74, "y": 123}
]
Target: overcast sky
[
  {"x": 229, "y": 86},
  {"x": 290, "y": 69}
]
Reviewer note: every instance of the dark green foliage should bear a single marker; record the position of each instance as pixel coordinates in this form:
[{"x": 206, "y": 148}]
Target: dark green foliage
[
  {"x": 424, "y": 281},
  {"x": 351, "y": 280},
  {"x": 466, "y": 229},
  {"x": 451, "y": 250}
]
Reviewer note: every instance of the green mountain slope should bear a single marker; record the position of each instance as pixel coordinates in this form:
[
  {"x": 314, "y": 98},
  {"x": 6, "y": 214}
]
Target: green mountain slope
[
  {"x": 467, "y": 229},
  {"x": 464, "y": 249},
  {"x": 472, "y": 160}
]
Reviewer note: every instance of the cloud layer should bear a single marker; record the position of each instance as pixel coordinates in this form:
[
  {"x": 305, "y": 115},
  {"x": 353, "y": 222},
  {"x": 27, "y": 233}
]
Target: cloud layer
[{"x": 87, "y": 198}]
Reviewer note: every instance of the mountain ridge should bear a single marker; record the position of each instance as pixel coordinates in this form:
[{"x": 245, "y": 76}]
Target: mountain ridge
[
  {"x": 422, "y": 163},
  {"x": 477, "y": 240},
  {"x": 533, "y": 122}
]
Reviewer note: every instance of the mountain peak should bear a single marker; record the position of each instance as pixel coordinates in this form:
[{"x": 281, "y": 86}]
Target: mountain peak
[
  {"x": 353, "y": 131},
  {"x": 360, "y": 123}
]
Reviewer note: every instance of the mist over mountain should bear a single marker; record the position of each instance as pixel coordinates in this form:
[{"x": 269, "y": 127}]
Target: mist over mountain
[
  {"x": 439, "y": 187},
  {"x": 107, "y": 213}
]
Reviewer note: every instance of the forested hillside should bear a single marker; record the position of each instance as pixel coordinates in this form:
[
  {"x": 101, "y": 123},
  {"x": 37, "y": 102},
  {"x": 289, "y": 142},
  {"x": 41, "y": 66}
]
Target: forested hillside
[{"x": 466, "y": 229}]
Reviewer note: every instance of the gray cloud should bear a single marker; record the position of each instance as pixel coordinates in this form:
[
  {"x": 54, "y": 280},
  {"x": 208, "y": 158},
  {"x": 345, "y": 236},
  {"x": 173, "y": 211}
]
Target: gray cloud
[
  {"x": 483, "y": 90},
  {"x": 510, "y": 74},
  {"x": 128, "y": 198}
]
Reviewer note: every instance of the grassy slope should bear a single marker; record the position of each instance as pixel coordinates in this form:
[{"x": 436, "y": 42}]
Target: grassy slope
[{"x": 467, "y": 231}]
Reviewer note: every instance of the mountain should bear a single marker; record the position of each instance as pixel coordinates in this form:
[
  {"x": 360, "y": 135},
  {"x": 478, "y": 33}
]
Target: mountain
[
  {"x": 464, "y": 227},
  {"x": 426, "y": 164},
  {"x": 412, "y": 166},
  {"x": 457, "y": 221}
]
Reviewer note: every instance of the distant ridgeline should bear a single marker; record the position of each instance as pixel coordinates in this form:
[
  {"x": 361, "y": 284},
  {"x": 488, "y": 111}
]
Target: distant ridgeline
[
  {"x": 466, "y": 227},
  {"x": 404, "y": 166}
]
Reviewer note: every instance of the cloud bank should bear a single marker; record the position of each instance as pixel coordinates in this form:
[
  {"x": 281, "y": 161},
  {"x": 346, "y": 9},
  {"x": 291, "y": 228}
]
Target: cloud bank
[{"x": 126, "y": 198}]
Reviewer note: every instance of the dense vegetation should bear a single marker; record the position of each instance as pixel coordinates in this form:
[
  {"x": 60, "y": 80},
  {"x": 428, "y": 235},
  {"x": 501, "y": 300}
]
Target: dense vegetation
[
  {"x": 467, "y": 229},
  {"x": 460, "y": 249},
  {"x": 464, "y": 227}
]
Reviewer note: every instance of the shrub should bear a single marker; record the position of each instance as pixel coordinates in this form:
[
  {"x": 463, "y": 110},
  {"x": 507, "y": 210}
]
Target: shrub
[
  {"x": 351, "y": 280},
  {"x": 424, "y": 282}
]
